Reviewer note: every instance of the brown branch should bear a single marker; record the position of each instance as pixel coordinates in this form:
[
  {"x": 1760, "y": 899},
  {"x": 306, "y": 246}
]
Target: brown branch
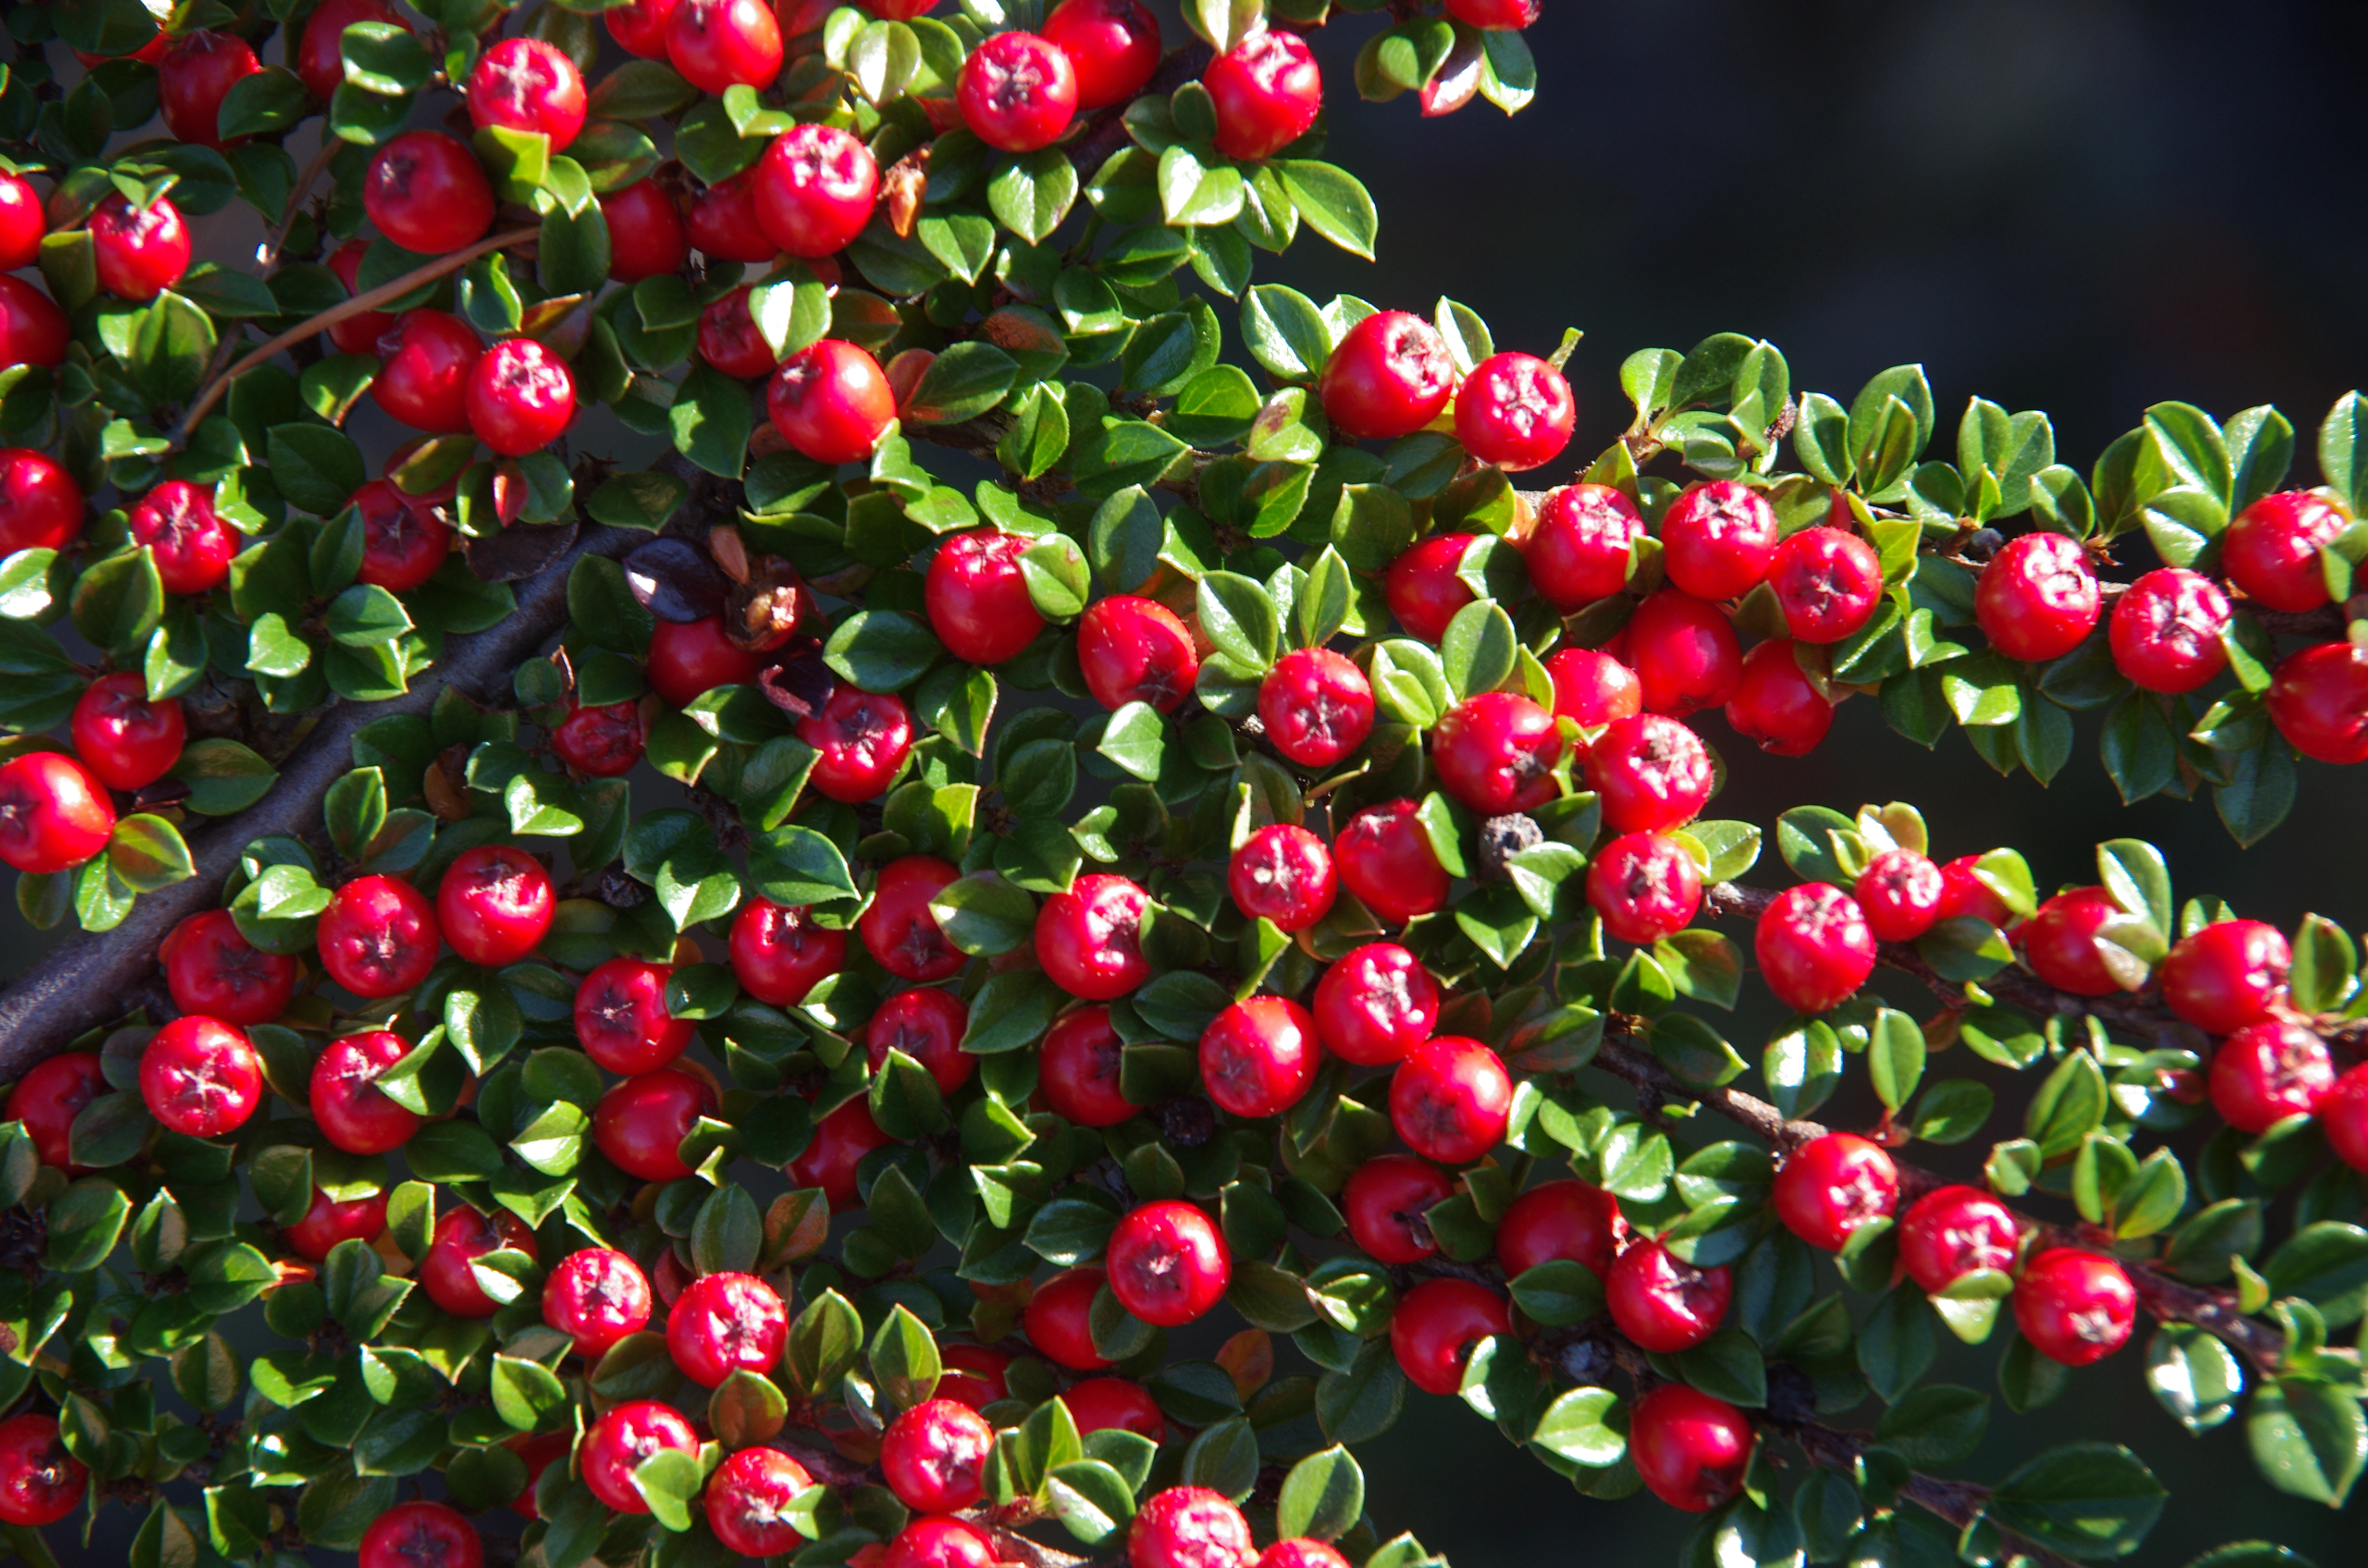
[
  {"x": 1010, "y": 1546},
  {"x": 1957, "y": 1503},
  {"x": 269, "y": 254}
]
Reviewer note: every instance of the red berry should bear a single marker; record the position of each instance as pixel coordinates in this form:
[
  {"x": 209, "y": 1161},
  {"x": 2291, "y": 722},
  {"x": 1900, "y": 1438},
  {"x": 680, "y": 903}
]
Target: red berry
[
  {"x": 2267, "y": 1071},
  {"x": 616, "y": 1445},
  {"x": 2224, "y": 977},
  {"x": 974, "y": 1375},
  {"x": 123, "y": 738},
  {"x": 211, "y": 969},
  {"x": 2344, "y": 1117},
  {"x": 1079, "y": 1066},
  {"x": 1386, "y": 862},
  {"x": 934, "y": 1456},
  {"x": 2059, "y": 943},
  {"x": 191, "y": 544},
  {"x": 421, "y": 1534},
  {"x": 22, "y": 222},
  {"x": 1952, "y": 1232},
  {"x": 1259, "y": 1057},
  {"x": 1104, "y": 1404},
  {"x": 537, "y": 1453},
  {"x": 1964, "y": 894},
  {"x": 1691, "y": 1448},
  {"x": 832, "y": 1160},
  {"x": 1578, "y": 552},
  {"x": 688, "y": 659},
  {"x": 860, "y": 739},
  {"x": 2037, "y": 598},
  {"x": 1283, "y": 873},
  {"x": 1663, "y": 1303},
  {"x": 715, "y": 44},
  {"x": 1593, "y": 688},
  {"x": 140, "y": 251},
  {"x": 2319, "y": 700},
  {"x": 748, "y": 1502},
  {"x": 976, "y": 598},
  {"x": 815, "y": 189},
  {"x": 403, "y": 543},
  {"x": 1495, "y": 752},
  {"x": 1718, "y": 539},
  {"x": 33, "y": 330},
  {"x": 1422, "y": 588},
  {"x": 329, "y": 1223},
  {"x": 40, "y": 1483},
  {"x": 1017, "y": 92},
  {"x": 939, "y": 1541},
  {"x": 604, "y": 742},
  {"x": 1435, "y": 1325},
  {"x": 1168, "y": 1263},
  {"x": 425, "y": 192},
  {"x": 897, "y": 928},
  {"x": 1831, "y": 1186},
  {"x": 597, "y": 1296},
  {"x": 831, "y": 402},
  {"x": 1450, "y": 1099},
  {"x": 1385, "y": 1200},
  {"x": 640, "y": 26},
  {"x": 1268, "y": 92},
  {"x": 200, "y": 1076},
  {"x": 622, "y": 1021},
  {"x": 1389, "y": 376},
  {"x": 1775, "y": 704},
  {"x": 355, "y": 1114},
  {"x": 1828, "y": 582},
  {"x": 359, "y": 332},
  {"x": 728, "y": 338},
  {"x": 52, "y": 1091},
  {"x": 2271, "y": 551},
  {"x": 640, "y": 1124},
  {"x": 1513, "y": 14},
  {"x": 645, "y": 233},
  {"x": 41, "y": 506},
  {"x": 1089, "y": 939},
  {"x": 378, "y": 938},
  {"x": 53, "y": 813},
  {"x": 524, "y": 84},
  {"x": 2074, "y": 1306},
  {"x": 1135, "y": 650},
  {"x": 1684, "y": 653},
  {"x": 424, "y": 376},
  {"x": 722, "y": 224},
  {"x": 448, "y": 1272},
  {"x": 1515, "y": 411},
  {"x": 520, "y": 397},
  {"x": 1058, "y": 1319},
  {"x": 1315, "y": 706},
  {"x": 195, "y": 73},
  {"x": 2166, "y": 630},
  {"x": 1901, "y": 893},
  {"x": 927, "y": 1026},
  {"x": 1814, "y": 947},
  {"x": 1644, "y": 886},
  {"x": 1556, "y": 1220},
  {"x": 725, "y": 1323},
  {"x": 779, "y": 954},
  {"x": 1112, "y": 45},
  {"x": 1376, "y": 1004},
  {"x": 494, "y": 904},
  {"x": 1650, "y": 772},
  {"x": 319, "y": 60},
  {"x": 1302, "y": 1552}
]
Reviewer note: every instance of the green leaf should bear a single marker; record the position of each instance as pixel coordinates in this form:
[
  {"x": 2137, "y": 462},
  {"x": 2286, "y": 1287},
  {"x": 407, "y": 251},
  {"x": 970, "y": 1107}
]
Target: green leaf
[
  {"x": 1585, "y": 1426},
  {"x": 317, "y": 469},
  {"x": 2195, "y": 1375},
  {"x": 710, "y": 420},
  {"x": 1322, "y": 1497},
  {"x": 2308, "y": 1438},
  {"x": 962, "y": 382},
  {"x": 2087, "y": 1500},
  {"x": 1032, "y": 194},
  {"x": 1335, "y": 205}
]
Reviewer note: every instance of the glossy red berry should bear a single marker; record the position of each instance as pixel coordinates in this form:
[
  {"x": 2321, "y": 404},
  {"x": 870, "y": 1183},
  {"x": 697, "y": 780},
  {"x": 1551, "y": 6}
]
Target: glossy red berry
[
  {"x": 1515, "y": 411},
  {"x": 2037, "y": 598},
  {"x": 715, "y": 44},
  {"x": 1901, "y": 892},
  {"x": 2059, "y": 943},
  {"x": 22, "y": 222},
  {"x": 52, "y": 1091},
  {"x": 403, "y": 543},
  {"x": 688, "y": 659},
  {"x": 1644, "y": 886},
  {"x": 1168, "y": 1263},
  {"x": 2224, "y": 977},
  {"x": 1684, "y": 653},
  {"x": 494, "y": 904},
  {"x": 54, "y": 814},
  {"x": 421, "y": 1534},
  {"x": 897, "y": 928},
  {"x": 622, "y": 1021},
  {"x": 41, "y": 506},
  {"x": 1450, "y": 1099},
  {"x": 860, "y": 739},
  {"x": 1560, "y": 1221},
  {"x": 618, "y": 1444},
  {"x": 524, "y": 84},
  {"x": 195, "y": 73},
  {"x": 122, "y": 738},
  {"x": 40, "y": 1483},
  {"x": 1058, "y": 1319},
  {"x": 831, "y": 402},
  {"x": 1079, "y": 1066},
  {"x": 355, "y": 1114},
  {"x": 747, "y": 1500},
  {"x": 1422, "y": 588},
  {"x": 329, "y": 1223},
  {"x": 1016, "y": 92},
  {"x": 1384, "y": 1203},
  {"x": 1662, "y": 1303},
  {"x": 1105, "y": 1405},
  {"x": 1828, "y": 582},
  {"x": 359, "y": 332},
  {"x": 1964, "y": 894},
  {"x": 1386, "y": 862},
  {"x": 1830, "y": 1187},
  {"x": 1112, "y": 45},
  {"x": 2075, "y": 1307},
  {"x": 815, "y": 189},
  {"x": 319, "y": 60},
  {"x": 191, "y": 544},
  {"x": 2319, "y": 700},
  {"x": 1691, "y": 1448},
  {"x": 1776, "y": 704},
  {"x": 211, "y": 969},
  {"x": 1136, "y": 650},
  {"x": 1389, "y": 376},
  {"x": 379, "y": 937},
  {"x": 2166, "y": 630},
  {"x": 597, "y": 1296},
  {"x": 1435, "y": 1325},
  {"x": 1580, "y": 551},
  {"x": 1089, "y": 939},
  {"x": 33, "y": 330},
  {"x": 640, "y": 1123},
  {"x": 939, "y": 1541},
  {"x": 605, "y": 742},
  {"x": 722, "y": 223},
  {"x": 1315, "y": 706},
  {"x": 1495, "y": 752},
  {"x": 140, "y": 251},
  {"x": 1376, "y": 1004},
  {"x": 1301, "y": 1551},
  {"x": 927, "y": 1025},
  {"x": 1267, "y": 92},
  {"x": 1718, "y": 539},
  {"x": 1814, "y": 947},
  {"x": 462, "y": 1236},
  {"x": 779, "y": 953},
  {"x": 1283, "y": 873},
  {"x": 2267, "y": 1071},
  {"x": 425, "y": 191},
  {"x": 725, "y": 1323},
  {"x": 2344, "y": 1117},
  {"x": 424, "y": 372},
  {"x": 1650, "y": 772},
  {"x": 1592, "y": 688},
  {"x": 640, "y": 26},
  {"x": 2271, "y": 551},
  {"x": 934, "y": 1456},
  {"x": 1259, "y": 1057},
  {"x": 1952, "y": 1232},
  {"x": 832, "y": 1161},
  {"x": 976, "y": 598},
  {"x": 521, "y": 397},
  {"x": 1189, "y": 1526},
  {"x": 645, "y": 231}
]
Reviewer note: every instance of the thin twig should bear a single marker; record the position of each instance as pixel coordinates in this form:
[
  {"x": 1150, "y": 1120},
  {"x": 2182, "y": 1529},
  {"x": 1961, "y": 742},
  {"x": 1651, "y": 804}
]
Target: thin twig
[
  {"x": 1957, "y": 1503},
  {"x": 269, "y": 254}
]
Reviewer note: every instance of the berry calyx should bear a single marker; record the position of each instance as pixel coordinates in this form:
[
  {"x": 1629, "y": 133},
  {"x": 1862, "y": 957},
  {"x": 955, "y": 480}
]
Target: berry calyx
[
  {"x": 421, "y": 1534},
  {"x": 49, "y": 1095},
  {"x": 2319, "y": 700},
  {"x": 618, "y": 1443},
  {"x": 645, "y": 231},
  {"x": 1389, "y": 376},
  {"x": 2271, "y": 551},
  {"x": 1830, "y": 1187},
  {"x": 140, "y": 252},
  {"x": 1828, "y": 582},
  {"x": 1684, "y": 653},
  {"x": 425, "y": 191},
  {"x": 977, "y": 599},
  {"x": 1515, "y": 411},
  {"x": 1650, "y": 772},
  {"x": 1112, "y": 45},
  {"x": 716, "y": 44},
  {"x": 1435, "y": 1325},
  {"x": 1385, "y": 862},
  {"x": 191, "y": 544},
  {"x": 1952, "y": 1232},
  {"x": 424, "y": 368},
  {"x": 41, "y": 506},
  {"x": 1592, "y": 688},
  {"x": 723, "y": 1323},
  {"x": 123, "y": 738},
  {"x": 927, "y": 1026},
  {"x": 1558, "y": 1220},
  {"x": 2267, "y": 1071},
  {"x": 355, "y": 1114},
  {"x": 781, "y": 953},
  {"x": 1089, "y": 939},
  {"x": 2224, "y": 977},
  {"x": 1718, "y": 539},
  {"x": 1016, "y": 92},
  {"x": 1374, "y": 1005},
  {"x": 640, "y": 1124},
  {"x": 2165, "y": 632},
  {"x": 1495, "y": 752},
  {"x": 1258, "y": 1057},
  {"x": 54, "y": 814},
  {"x": 815, "y": 189},
  {"x": 1644, "y": 886},
  {"x": 690, "y": 659},
  {"x": 404, "y": 541},
  {"x": 622, "y": 1021},
  {"x": 1079, "y": 1066},
  {"x": 1057, "y": 1319},
  {"x": 328, "y": 1221},
  {"x": 2059, "y": 943},
  {"x": 1901, "y": 893},
  {"x": 1450, "y": 1099},
  {"x": 1776, "y": 704},
  {"x": 604, "y": 742},
  {"x": 1580, "y": 551},
  {"x": 860, "y": 740},
  {"x": 2037, "y": 600},
  {"x": 448, "y": 1272},
  {"x": 1691, "y": 1448},
  {"x": 211, "y": 968},
  {"x": 1384, "y": 1203},
  {"x": 378, "y": 938},
  {"x": 897, "y": 928},
  {"x": 1283, "y": 873},
  {"x": 2074, "y": 1306},
  {"x": 1168, "y": 1263},
  {"x": 830, "y": 399},
  {"x": 1188, "y": 1526},
  {"x": 1266, "y": 91},
  {"x": 1814, "y": 947},
  {"x": 748, "y": 1502},
  {"x": 1422, "y": 588},
  {"x": 1315, "y": 706},
  {"x": 1136, "y": 650},
  {"x": 597, "y": 1296},
  {"x": 524, "y": 84},
  {"x": 40, "y": 1483},
  {"x": 1662, "y": 1303},
  {"x": 934, "y": 1456}
]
